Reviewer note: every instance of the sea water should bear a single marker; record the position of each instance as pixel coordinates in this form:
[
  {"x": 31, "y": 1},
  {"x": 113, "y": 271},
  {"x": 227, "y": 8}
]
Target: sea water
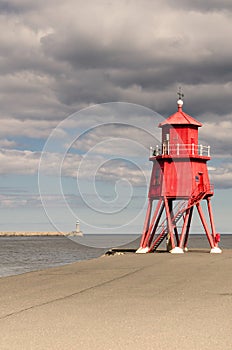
[{"x": 23, "y": 254}]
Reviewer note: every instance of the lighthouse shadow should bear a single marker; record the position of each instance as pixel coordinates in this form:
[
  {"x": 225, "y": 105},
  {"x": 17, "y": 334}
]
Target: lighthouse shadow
[{"x": 198, "y": 244}]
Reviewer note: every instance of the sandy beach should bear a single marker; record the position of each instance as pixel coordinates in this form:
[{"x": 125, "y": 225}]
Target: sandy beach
[{"x": 153, "y": 301}]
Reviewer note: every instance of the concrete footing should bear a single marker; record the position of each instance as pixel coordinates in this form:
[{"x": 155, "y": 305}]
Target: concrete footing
[
  {"x": 176, "y": 250},
  {"x": 142, "y": 250},
  {"x": 215, "y": 250}
]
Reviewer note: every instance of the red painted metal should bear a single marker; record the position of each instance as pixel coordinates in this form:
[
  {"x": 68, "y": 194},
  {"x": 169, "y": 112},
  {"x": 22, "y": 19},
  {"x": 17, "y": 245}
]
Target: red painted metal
[
  {"x": 212, "y": 221},
  {"x": 200, "y": 211},
  {"x": 188, "y": 228},
  {"x": 146, "y": 223},
  {"x": 184, "y": 228},
  {"x": 180, "y": 118},
  {"x": 169, "y": 222},
  {"x": 154, "y": 223},
  {"x": 179, "y": 173},
  {"x": 153, "y": 228}
]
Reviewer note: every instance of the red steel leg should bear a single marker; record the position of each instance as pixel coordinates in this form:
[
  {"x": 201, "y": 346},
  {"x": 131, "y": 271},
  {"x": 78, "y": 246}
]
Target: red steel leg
[
  {"x": 184, "y": 229},
  {"x": 212, "y": 221},
  {"x": 204, "y": 223},
  {"x": 169, "y": 220},
  {"x": 155, "y": 224},
  {"x": 175, "y": 228},
  {"x": 146, "y": 223},
  {"x": 177, "y": 236},
  {"x": 188, "y": 228}
]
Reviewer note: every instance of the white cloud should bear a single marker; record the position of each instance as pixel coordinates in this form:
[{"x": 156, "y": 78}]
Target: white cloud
[
  {"x": 18, "y": 162},
  {"x": 9, "y": 201},
  {"x": 5, "y": 143},
  {"x": 59, "y": 56},
  {"x": 218, "y": 135},
  {"x": 92, "y": 168},
  {"x": 219, "y": 130},
  {"x": 119, "y": 140},
  {"x": 222, "y": 176},
  {"x": 35, "y": 129}
]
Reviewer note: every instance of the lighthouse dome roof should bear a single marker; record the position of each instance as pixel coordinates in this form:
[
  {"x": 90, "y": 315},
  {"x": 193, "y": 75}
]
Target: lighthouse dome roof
[{"x": 180, "y": 118}]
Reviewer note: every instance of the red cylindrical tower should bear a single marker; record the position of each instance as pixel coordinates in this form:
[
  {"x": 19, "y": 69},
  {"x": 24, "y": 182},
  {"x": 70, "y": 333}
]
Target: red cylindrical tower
[{"x": 179, "y": 182}]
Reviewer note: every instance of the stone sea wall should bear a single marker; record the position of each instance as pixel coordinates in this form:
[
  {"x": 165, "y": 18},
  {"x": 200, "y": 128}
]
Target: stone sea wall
[{"x": 29, "y": 233}]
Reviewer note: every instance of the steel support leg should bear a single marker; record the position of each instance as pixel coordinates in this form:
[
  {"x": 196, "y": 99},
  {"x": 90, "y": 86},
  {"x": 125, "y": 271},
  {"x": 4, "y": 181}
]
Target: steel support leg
[
  {"x": 204, "y": 223},
  {"x": 146, "y": 223},
  {"x": 155, "y": 223},
  {"x": 212, "y": 221},
  {"x": 147, "y": 236},
  {"x": 176, "y": 235},
  {"x": 174, "y": 224},
  {"x": 188, "y": 227},
  {"x": 169, "y": 220},
  {"x": 184, "y": 228}
]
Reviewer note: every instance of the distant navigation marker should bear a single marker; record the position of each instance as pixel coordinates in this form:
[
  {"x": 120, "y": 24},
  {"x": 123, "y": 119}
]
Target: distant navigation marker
[{"x": 77, "y": 232}]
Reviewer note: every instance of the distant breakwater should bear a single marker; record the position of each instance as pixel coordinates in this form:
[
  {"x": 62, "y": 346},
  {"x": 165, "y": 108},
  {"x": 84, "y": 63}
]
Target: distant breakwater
[{"x": 29, "y": 233}]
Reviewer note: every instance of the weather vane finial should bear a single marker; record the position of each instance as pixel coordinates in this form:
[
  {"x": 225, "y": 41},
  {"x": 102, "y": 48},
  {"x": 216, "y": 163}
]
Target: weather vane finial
[{"x": 180, "y": 93}]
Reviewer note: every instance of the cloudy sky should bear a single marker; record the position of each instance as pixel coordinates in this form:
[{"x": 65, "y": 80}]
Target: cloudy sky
[{"x": 63, "y": 67}]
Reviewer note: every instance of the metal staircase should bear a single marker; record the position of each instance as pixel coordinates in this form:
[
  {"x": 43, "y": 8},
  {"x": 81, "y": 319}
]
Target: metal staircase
[
  {"x": 162, "y": 231},
  {"x": 179, "y": 211}
]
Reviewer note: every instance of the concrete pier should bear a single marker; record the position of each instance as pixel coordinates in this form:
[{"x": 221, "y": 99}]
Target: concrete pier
[{"x": 147, "y": 301}]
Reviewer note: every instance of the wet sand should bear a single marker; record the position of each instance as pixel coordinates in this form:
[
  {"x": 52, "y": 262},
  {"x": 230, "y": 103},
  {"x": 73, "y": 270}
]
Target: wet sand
[{"x": 152, "y": 301}]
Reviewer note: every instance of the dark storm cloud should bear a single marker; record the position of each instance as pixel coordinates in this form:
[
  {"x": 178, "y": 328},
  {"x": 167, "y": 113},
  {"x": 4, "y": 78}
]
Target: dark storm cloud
[
  {"x": 15, "y": 7},
  {"x": 202, "y": 6},
  {"x": 12, "y": 7},
  {"x": 96, "y": 55},
  {"x": 166, "y": 74},
  {"x": 125, "y": 69},
  {"x": 58, "y": 57}
]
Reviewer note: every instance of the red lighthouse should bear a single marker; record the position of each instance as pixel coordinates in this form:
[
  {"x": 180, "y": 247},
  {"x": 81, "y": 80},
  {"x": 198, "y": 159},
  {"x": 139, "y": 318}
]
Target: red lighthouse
[{"x": 179, "y": 183}]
